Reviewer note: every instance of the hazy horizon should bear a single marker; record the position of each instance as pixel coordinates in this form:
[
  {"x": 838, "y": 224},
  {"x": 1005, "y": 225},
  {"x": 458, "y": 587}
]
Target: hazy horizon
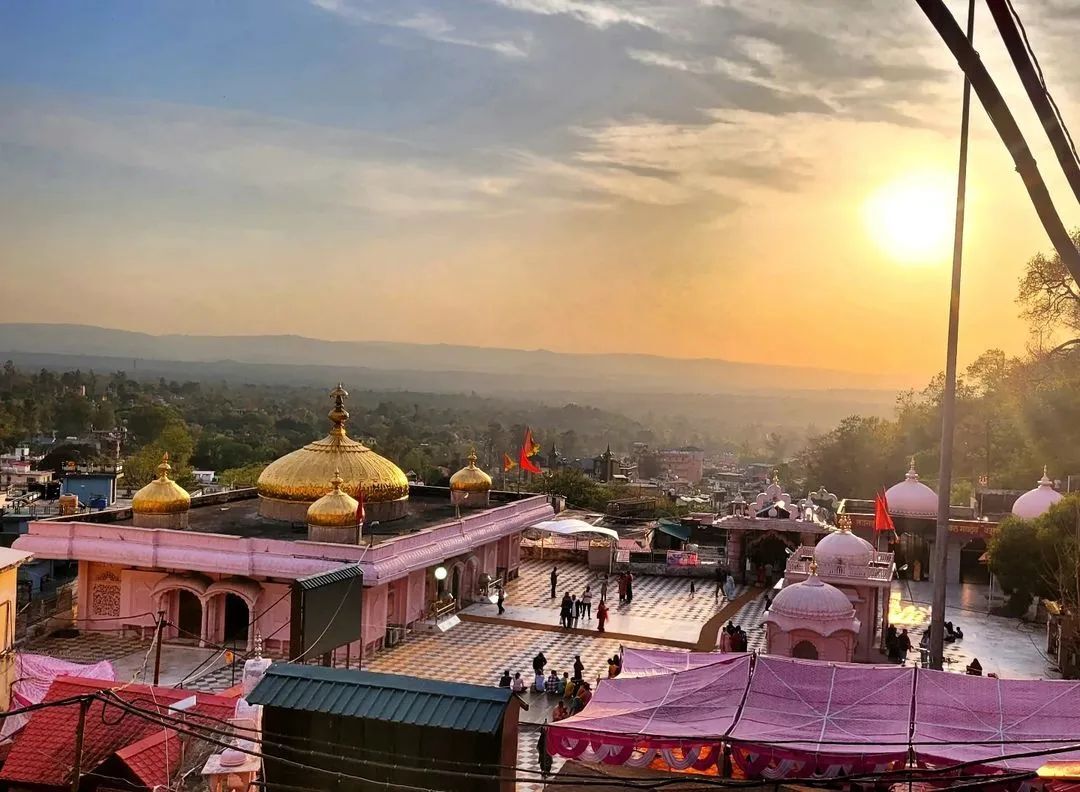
[{"x": 760, "y": 183}]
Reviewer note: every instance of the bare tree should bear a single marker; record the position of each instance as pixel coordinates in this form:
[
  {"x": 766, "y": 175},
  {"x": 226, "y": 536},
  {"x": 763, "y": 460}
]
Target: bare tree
[{"x": 1050, "y": 298}]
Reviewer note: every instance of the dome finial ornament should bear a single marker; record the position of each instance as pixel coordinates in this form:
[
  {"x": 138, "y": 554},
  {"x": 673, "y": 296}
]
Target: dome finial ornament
[
  {"x": 164, "y": 468},
  {"x": 813, "y": 567},
  {"x": 336, "y": 481},
  {"x": 339, "y": 415},
  {"x": 472, "y": 457}
]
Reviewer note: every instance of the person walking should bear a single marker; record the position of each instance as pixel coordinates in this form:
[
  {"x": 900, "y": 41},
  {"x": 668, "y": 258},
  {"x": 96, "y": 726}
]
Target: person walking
[
  {"x": 579, "y": 668},
  {"x": 603, "y": 589},
  {"x": 622, "y": 587},
  {"x": 601, "y": 616},
  {"x": 629, "y": 587},
  {"x": 554, "y": 580},
  {"x": 691, "y": 588},
  {"x": 719, "y": 582},
  {"x": 576, "y": 610},
  {"x": 499, "y": 601},
  {"x": 586, "y": 604}
]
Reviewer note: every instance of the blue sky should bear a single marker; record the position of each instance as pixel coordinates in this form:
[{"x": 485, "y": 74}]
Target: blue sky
[{"x": 454, "y": 170}]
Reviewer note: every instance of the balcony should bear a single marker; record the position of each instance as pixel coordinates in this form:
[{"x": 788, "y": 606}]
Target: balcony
[{"x": 879, "y": 570}]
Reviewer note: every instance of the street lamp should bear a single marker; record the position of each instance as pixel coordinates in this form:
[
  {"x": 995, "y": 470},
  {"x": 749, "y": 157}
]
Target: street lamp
[{"x": 440, "y": 573}]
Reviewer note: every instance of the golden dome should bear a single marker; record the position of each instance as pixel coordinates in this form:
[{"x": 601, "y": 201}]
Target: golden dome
[
  {"x": 162, "y": 495},
  {"x": 470, "y": 478},
  {"x": 301, "y": 476},
  {"x": 335, "y": 509}
]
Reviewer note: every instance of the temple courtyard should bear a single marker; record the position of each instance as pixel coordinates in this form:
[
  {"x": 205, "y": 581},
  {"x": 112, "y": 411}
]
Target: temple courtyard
[{"x": 663, "y": 615}]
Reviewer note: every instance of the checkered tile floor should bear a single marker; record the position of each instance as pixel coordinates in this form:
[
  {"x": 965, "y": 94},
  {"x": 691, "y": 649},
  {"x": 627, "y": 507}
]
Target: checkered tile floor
[
  {"x": 751, "y": 618},
  {"x": 660, "y": 597},
  {"x": 87, "y": 647}
]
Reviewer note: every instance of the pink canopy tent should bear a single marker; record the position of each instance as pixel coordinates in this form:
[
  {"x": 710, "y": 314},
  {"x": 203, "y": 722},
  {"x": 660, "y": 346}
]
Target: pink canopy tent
[
  {"x": 950, "y": 709},
  {"x": 653, "y": 662},
  {"x": 677, "y": 719},
  {"x": 34, "y": 674},
  {"x": 785, "y": 718},
  {"x": 805, "y": 718}
]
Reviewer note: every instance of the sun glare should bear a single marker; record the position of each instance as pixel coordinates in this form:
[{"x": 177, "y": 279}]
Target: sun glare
[{"x": 911, "y": 218}]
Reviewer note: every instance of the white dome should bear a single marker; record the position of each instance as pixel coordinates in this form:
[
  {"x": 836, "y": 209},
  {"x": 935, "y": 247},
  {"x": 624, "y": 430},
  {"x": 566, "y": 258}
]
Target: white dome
[
  {"x": 812, "y": 599},
  {"x": 911, "y": 498},
  {"x": 1036, "y": 502},
  {"x": 844, "y": 547}
]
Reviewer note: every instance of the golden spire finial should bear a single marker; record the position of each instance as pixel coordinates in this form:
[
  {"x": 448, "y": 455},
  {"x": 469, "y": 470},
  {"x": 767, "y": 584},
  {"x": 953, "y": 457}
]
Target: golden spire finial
[
  {"x": 776, "y": 476},
  {"x": 912, "y": 468},
  {"x": 813, "y": 566},
  {"x": 472, "y": 457},
  {"x": 164, "y": 468},
  {"x": 337, "y": 480},
  {"x": 339, "y": 415}
]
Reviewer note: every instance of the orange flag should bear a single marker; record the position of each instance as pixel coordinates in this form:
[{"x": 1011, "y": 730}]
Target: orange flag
[
  {"x": 528, "y": 448},
  {"x": 508, "y": 463}
]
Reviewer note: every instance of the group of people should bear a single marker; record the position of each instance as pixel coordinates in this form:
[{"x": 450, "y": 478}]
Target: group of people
[
  {"x": 725, "y": 582},
  {"x": 733, "y": 638},
  {"x": 575, "y": 608},
  {"x": 897, "y": 644}
]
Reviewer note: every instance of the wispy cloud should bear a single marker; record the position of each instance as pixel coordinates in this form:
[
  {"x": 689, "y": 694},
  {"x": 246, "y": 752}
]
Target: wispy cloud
[
  {"x": 597, "y": 13},
  {"x": 427, "y": 25},
  {"x": 302, "y": 163}
]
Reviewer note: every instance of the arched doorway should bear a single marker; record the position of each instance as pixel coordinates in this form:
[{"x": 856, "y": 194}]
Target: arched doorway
[
  {"x": 188, "y": 615},
  {"x": 770, "y": 553},
  {"x": 804, "y": 650},
  {"x": 237, "y": 617},
  {"x": 972, "y": 570}
]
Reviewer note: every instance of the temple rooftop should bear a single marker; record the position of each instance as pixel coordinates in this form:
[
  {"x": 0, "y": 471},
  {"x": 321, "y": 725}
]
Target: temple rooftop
[{"x": 236, "y": 513}]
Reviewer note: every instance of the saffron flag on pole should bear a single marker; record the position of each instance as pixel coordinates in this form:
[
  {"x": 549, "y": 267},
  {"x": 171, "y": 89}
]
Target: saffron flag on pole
[
  {"x": 508, "y": 463},
  {"x": 528, "y": 448},
  {"x": 360, "y": 506},
  {"x": 882, "y": 518}
]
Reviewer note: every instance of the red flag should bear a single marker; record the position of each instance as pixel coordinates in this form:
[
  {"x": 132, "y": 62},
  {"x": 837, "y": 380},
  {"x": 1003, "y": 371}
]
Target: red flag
[
  {"x": 528, "y": 448},
  {"x": 882, "y": 518},
  {"x": 360, "y": 506},
  {"x": 508, "y": 463}
]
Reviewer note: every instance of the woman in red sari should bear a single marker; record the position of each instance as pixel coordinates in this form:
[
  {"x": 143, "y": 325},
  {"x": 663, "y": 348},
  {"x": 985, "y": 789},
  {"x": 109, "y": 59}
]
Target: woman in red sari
[{"x": 601, "y": 616}]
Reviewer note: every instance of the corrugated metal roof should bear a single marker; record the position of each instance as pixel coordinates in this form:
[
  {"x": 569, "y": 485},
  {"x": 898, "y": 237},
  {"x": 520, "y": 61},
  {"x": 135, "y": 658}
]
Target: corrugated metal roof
[
  {"x": 332, "y": 576},
  {"x": 678, "y": 530},
  {"x": 384, "y": 697}
]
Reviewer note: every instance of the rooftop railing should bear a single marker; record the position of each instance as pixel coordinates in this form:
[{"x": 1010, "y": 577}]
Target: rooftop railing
[{"x": 880, "y": 568}]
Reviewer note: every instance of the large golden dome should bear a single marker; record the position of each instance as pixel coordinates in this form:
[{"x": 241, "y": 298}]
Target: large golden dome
[
  {"x": 300, "y": 477},
  {"x": 162, "y": 495},
  {"x": 470, "y": 478},
  {"x": 335, "y": 509}
]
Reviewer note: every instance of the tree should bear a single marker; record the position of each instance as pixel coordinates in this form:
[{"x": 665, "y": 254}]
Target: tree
[
  {"x": 147, "y": 421},
  {"x": 73, "y": 415},
  {"x": 1014, "y": 558},
  {"x": 1050, "y": 299},
  {"x": 246, "y": 476}
]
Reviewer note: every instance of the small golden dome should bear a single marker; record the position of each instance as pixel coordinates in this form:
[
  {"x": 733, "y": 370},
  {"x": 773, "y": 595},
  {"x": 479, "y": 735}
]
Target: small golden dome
[
  {"x": 335, "y": 509},
  {"x": 470, "y": 478},
  {"x": 162, "y": 495},
  {"x": 302, "y": 475}
]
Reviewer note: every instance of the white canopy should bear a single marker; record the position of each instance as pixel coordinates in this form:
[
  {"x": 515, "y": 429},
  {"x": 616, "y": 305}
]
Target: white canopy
[{"x": 574, "y": 526}]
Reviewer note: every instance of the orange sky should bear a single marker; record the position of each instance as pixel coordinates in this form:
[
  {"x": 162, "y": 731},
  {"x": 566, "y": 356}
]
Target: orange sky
[{"x": 689, "y": 203}]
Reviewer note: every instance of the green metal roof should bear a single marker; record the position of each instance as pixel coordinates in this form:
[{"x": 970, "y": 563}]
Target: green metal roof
[
  {"x": 678, "y": 530},
  {"x": 332, "y": 576},
  {"x": 383, "y": 697}
]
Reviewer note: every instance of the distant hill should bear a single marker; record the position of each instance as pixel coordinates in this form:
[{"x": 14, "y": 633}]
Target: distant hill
[{"x": 437, "y": 367}]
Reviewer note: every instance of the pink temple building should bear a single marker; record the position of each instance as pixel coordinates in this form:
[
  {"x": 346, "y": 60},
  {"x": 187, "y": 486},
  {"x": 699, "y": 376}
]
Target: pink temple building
[
  {"x": 220, "y": 567},
  {"x": 835, "y": 601}
]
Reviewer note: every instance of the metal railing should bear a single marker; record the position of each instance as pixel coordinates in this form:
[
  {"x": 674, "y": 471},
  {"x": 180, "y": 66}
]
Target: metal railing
[{"x": 880, "y": 568}]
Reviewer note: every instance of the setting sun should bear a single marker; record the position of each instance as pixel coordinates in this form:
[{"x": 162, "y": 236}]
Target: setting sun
[{"x": 911, "y": 218}]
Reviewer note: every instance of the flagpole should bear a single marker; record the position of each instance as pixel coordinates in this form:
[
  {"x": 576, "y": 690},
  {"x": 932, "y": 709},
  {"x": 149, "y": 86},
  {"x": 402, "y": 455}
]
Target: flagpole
[{"x": 948, "y": 398}]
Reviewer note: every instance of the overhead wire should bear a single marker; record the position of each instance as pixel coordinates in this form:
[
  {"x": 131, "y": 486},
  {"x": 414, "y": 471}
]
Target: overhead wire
[{"x": 947, "y": 772}]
